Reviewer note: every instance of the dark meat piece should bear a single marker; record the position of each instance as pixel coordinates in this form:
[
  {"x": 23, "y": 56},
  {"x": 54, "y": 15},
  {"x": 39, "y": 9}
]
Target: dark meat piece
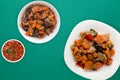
[
  {"x": 28, "y": 10},
  {"x": 46, "y": 24},
  {"x": 40, "y": 12},
  {"x": 26, "y": 27},
  {"x": 24, "y": 18},
  {"x": 82, "y": 53},
  {"x": 98, "y": 48},
  {"x": 48, "y": 31},
  {"x": 35, "y": 32}
]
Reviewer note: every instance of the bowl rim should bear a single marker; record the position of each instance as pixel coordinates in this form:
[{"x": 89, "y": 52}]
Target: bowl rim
[
  {"x": 8, "y": 59},
  {"x": 47, "y": 37}
]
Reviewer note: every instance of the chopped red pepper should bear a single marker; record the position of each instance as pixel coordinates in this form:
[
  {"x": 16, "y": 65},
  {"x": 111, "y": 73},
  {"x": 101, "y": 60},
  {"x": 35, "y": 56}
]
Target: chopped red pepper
[
  {"x": 79, "y": 63},
  {"x": 109, "y": 61},
  {"x": 89, "y": 37}
]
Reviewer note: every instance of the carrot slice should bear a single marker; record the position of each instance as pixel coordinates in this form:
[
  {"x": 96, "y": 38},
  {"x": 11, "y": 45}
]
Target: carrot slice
[
  {"x": 99, "y": 39},
  {"x": 112, "y": 52},
  {"x": 88, "y": 65},
  {"x": 97, "y": 66}
]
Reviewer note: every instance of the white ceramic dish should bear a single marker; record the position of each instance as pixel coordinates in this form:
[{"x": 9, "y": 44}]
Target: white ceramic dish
[
  {"x": 8, "y": 59},
  {"x": 46, "y": 38},
  {"x": 106, "y": 71}
]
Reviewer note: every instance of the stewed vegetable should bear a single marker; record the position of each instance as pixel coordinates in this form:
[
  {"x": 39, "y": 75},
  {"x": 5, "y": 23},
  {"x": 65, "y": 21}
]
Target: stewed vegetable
[
  {"x": 38, "y": 21},
  {"x": 93, "y": 50}
]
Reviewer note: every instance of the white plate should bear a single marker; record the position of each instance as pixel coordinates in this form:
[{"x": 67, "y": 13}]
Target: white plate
[
  {"x": 46, "y": 38},
  {"x": 106, "y": 71}
]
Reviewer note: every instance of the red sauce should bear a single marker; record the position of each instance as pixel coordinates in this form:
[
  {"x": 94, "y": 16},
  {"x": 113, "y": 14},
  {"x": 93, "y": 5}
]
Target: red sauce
[{"x": 13, "y": 50}]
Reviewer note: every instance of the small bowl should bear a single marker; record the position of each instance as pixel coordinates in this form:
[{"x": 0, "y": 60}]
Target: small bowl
[
  {"x": 46, "y": 38},
  {"x": 8, "y": 51}
]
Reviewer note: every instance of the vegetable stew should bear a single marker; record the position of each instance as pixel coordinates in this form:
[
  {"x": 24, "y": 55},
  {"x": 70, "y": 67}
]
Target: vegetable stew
[
  {"x": 38, "y": 21},
  {"x": 93, "y": 50}
]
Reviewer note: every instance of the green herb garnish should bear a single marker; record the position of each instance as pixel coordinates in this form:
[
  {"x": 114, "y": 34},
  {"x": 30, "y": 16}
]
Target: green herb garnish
[{"x": 9, "y": 50}]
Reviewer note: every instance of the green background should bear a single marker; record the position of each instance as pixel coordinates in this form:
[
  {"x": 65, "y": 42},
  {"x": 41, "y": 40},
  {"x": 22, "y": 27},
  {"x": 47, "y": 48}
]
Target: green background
[{"x": 46, "y": 61}]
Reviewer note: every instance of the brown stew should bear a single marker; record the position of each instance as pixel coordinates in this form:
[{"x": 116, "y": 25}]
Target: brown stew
[{"x": 38, "y": 21}]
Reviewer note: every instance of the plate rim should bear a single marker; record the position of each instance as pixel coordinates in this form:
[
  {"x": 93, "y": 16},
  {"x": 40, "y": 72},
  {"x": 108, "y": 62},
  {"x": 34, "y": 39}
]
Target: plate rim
[{"x": 95, "y": 21}]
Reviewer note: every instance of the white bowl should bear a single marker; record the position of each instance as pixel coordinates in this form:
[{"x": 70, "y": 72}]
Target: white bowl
[
  {"x": 8, "y": 59},
  {"x": 106, "y": 71},
  {"x": 46, "y": 38}
]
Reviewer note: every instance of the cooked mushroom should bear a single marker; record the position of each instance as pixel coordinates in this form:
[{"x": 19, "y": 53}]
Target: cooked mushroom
[{"x": 101, "y": 57}]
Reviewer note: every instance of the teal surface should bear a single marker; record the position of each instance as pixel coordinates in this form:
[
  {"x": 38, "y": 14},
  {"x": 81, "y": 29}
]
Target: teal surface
[{"x": 46, "y": 61}]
